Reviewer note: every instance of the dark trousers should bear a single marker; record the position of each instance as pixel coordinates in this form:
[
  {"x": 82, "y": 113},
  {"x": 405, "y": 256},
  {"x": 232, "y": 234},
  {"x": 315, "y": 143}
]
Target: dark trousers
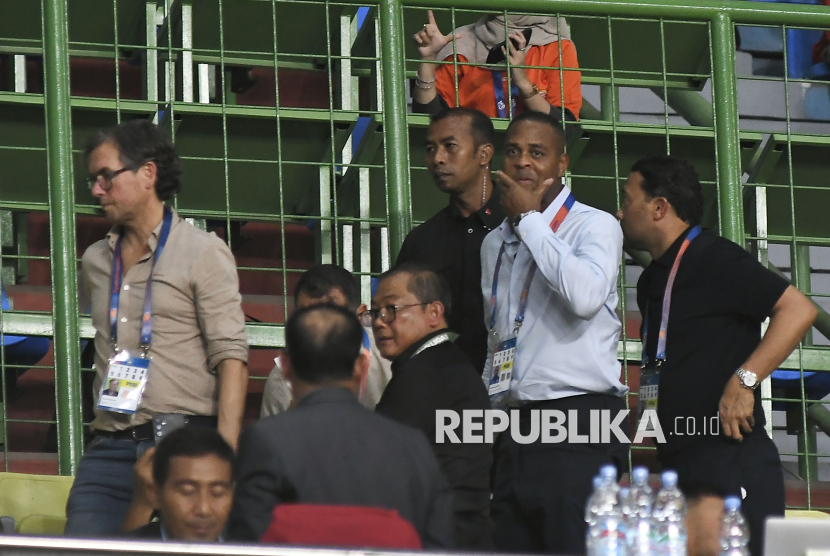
[
  {"x": 103, "y": 489},
  {"x": 727, "y": 466},
  {"x": 540, "y": 489}
]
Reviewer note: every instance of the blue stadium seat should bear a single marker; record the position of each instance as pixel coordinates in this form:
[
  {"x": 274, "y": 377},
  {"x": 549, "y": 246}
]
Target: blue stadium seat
[
  {"x": 816, "y": 385},
  {"x": 800, "y": 65},
  {"x": 22, "y": 350}
]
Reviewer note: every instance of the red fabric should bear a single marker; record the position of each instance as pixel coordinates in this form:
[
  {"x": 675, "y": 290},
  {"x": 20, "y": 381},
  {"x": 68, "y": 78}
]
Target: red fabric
[{"x": 341, "y": 526}]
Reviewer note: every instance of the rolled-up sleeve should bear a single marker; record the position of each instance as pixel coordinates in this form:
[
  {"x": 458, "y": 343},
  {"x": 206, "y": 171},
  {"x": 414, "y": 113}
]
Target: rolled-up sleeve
[{"x": 219, "y": 305}]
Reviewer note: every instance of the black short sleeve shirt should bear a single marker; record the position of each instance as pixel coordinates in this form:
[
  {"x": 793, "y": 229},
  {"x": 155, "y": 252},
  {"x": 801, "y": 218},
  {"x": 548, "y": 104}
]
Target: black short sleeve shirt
[{"x": 720, "y": 298}]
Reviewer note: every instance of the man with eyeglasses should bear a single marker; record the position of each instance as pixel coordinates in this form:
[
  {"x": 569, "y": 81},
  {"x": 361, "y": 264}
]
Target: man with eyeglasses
[
  {"x": 430, "y": 373},
  {"x": 168, "y": 322}
]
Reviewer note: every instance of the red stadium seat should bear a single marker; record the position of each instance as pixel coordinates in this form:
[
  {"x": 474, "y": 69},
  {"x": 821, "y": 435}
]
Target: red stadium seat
[{"x": 341, "y": 526}]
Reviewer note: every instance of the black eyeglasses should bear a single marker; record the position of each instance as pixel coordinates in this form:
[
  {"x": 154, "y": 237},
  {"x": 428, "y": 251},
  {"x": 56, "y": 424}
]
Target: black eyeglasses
[
  {"x": 386, "y": 314},
  {"x": 105, "y": 178}
]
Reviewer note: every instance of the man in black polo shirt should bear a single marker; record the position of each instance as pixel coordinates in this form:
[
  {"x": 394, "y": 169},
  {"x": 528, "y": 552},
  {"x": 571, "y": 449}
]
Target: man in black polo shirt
[
  {"x": 712, "y": 357},
  {"x": 459, "y": 147}
]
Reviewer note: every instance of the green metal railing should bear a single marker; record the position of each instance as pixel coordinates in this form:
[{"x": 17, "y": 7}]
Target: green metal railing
[{"x": 287, "y": 180}]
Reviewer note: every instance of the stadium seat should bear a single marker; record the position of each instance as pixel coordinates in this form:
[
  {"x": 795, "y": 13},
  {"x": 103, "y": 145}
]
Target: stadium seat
[
  {"x": 36, "y": 502},
  {"x": 342, "y": 526},
  {"x": 45, "y": 525},
  {"x": 812, "y": 514}
]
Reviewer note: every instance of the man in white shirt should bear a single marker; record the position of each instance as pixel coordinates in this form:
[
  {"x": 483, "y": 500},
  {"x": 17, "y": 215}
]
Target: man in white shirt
[
  {"x": 329, "y": 284},
  {"x": 555, "y": 262}
]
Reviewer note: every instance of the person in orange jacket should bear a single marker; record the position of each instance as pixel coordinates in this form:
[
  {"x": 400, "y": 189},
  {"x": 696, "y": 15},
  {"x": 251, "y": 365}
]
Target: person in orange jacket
[{"x": 541, "y": 42}]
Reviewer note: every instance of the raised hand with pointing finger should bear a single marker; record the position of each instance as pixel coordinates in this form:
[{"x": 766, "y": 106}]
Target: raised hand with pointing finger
[{"x": 430, "y": 40}]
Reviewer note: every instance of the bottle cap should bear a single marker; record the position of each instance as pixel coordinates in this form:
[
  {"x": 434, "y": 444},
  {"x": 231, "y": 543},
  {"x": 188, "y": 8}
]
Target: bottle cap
[
  {"x": 732, "y": 503},
  {"x": 640, "y": 475},
  {"x": 669, "y": 478},
  {"x": 608, "y": 472}
]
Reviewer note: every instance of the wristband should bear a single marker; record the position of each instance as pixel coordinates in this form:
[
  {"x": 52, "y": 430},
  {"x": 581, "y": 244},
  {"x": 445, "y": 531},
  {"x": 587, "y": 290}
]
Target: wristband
[{"x": 533, "y": 94}]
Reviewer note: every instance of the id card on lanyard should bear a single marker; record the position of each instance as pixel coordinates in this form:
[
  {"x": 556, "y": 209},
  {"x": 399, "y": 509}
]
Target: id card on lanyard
[
  {"x": 501, "y": 101},
  {"x": 650, "y": 374},
  {"x": 504, "y": 351},
  {"x": 126, "y": 377}
]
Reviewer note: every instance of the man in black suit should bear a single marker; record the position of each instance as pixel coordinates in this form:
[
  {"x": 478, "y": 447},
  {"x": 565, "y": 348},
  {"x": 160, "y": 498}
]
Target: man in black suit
[
  {"x": 431, "y": 373},
  {"x": 188, "y": 478},
  {"x": 329, "y": 449}
]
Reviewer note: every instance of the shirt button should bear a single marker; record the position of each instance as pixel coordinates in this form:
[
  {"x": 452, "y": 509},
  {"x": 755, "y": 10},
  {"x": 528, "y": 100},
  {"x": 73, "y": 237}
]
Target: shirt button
[
  {"x": 123, "y": 319},
  {"x": 469, "y": 231},
  {"x": 126, "y": 287}
]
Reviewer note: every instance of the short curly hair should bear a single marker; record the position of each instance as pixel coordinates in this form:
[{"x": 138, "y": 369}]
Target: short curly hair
[{"x": 141, "y": 141}]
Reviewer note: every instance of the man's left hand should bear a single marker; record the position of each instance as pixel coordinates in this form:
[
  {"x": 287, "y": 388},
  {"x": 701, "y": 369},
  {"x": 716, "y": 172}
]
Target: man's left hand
[
  {"x": 517, "y": 199},
  {"x": 736, "y": 407}
]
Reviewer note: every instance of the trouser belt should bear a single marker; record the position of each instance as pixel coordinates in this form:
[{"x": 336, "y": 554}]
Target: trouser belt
[{"x": 144, "y": 431}]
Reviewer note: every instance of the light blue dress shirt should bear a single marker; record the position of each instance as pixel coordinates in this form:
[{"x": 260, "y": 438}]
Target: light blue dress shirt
[{"x": 567, "y": 345}]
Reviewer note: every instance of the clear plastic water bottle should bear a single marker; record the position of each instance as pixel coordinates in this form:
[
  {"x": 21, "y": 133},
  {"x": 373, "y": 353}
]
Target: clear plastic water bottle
[
  {"x": 639, "y": 521},
  {"x": 670, "y": 514},
  {"x": 606, "y": 529},
  {"x": 592, "y": 506},
  {"x": 624, "y": 498},
  {"x": 734, "y": 536},
  {"x": 591, "y": 511}
]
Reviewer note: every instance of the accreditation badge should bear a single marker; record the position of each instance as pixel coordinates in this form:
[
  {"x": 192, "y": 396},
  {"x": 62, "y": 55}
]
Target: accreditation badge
[
  {"x": 502, "y": 372},
  {"x": 124, "y": 384},
  {"x": 649, "y": 382}
]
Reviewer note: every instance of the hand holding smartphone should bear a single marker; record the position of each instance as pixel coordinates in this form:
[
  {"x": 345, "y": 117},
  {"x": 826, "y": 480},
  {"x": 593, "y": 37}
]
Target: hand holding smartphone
[{"x": 496, "y": 55}]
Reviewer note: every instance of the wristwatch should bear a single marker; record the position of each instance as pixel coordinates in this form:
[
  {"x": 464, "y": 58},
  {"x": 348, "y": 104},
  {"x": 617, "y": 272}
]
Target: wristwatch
[
  {"x": 749, "y": 380},
  {"x": 518, "y": 217}
]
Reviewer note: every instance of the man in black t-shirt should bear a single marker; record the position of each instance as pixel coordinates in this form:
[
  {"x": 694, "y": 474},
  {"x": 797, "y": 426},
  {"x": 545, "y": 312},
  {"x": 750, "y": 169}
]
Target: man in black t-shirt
[
  {"x": 712, "y": 357},
  {"x": 459, "y": 147}
]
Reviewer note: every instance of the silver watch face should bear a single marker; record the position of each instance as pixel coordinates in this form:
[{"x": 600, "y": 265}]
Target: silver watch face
[{"x": 749, "y": 379}]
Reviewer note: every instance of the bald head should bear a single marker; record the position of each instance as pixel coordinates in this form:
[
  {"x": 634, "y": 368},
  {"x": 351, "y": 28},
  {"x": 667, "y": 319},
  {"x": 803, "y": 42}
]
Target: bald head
[{"x": 322, "y": 343}]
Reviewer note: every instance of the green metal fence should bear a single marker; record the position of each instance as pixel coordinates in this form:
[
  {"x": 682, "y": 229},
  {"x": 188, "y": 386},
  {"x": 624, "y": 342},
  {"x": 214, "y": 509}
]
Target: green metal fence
[{"x": 263, "y": 98}]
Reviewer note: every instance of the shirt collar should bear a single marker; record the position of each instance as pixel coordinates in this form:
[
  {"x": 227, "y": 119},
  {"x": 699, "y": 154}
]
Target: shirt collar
[
  {"x": 667, "y": 258},
  {"x": 328, "y": 394},
  {"x": 557, "y": 203},
  {"x": 490, "y": 215},
  {"x": 509, "y": 236},
  {"x": 153, "y": 240},
  {"x": 409, "y": 352}
]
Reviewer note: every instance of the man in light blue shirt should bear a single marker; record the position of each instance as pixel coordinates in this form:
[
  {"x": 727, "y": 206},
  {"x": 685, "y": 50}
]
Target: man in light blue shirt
[{"x": 555, "y": 264}]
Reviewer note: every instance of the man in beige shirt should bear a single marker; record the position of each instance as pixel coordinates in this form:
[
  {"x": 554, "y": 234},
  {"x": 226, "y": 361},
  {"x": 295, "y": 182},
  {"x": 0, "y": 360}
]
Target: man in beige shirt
[
  {"x": 328, "y": 283},
  {"x": 196, "y": 342}
]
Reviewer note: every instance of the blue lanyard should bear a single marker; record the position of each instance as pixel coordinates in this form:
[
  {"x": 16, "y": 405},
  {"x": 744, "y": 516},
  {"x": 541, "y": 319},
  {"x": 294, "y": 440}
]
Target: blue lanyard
[
  {"x": 501, "y": 104},
  {"x": 660, "y": 355},
  {"x": 117, "y": 278},
  {"x": 520, "y": 314}
]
